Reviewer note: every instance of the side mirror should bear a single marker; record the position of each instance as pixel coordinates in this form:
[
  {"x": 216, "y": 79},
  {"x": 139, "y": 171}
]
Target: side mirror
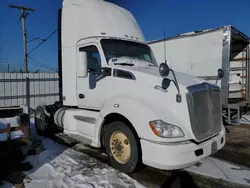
[
  {"x": 220, "y": 73},
  {"x": 164, "y": 70},
  {"x": 82, "y": 65},
  {"x": 165, "y": 83}
]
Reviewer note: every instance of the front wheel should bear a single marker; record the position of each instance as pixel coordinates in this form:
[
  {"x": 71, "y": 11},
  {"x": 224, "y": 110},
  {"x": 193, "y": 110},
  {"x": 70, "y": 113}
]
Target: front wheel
[{"x": 121, "y": 147}]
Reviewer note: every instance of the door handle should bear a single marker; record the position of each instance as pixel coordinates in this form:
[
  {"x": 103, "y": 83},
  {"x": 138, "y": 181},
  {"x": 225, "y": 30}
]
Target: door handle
[{"x": 81, "y": 96}]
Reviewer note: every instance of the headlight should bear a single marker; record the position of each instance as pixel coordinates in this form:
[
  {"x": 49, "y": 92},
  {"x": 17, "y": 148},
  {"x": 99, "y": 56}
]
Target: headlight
[{"x": 165, "y": 130}]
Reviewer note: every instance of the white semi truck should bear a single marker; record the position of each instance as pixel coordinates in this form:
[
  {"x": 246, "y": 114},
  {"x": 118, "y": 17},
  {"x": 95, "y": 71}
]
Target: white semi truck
[{"x": 113, "y": 95}]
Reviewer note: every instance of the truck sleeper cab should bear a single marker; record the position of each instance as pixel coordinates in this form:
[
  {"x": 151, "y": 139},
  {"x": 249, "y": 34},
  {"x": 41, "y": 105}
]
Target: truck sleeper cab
[{"x": 115, "y": 96}]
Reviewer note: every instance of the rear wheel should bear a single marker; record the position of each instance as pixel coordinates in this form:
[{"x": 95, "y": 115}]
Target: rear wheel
[
  {"x": 121, "y": 147},
  {"x": 43, "y": 123}
]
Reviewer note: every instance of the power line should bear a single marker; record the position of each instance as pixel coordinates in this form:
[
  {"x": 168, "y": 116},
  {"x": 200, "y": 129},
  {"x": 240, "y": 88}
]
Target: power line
[
  {"x": 20, "y": 27},
  {"x": 43, "y": 41},
  {"x": 33, "y": 64},
  {"x": 33, "y": 39},
  {"x": 21, "y": 59},
  {"x": 42, "y": 64}
]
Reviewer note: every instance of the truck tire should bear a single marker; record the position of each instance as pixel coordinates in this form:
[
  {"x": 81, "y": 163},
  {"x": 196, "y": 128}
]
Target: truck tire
[
  {"x": 42, "y": 122},
  {"x": 51, "y": 109},
  {"x": 121, "y": 147}
]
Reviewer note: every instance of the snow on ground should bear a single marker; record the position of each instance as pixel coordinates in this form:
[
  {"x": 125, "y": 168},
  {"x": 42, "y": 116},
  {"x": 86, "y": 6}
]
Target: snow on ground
[
  {"x": 59, "y": 166},
  {"x": 219, "y": 169}
]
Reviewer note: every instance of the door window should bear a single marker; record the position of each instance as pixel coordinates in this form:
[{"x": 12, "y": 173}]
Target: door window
[{"x": 93, "y": 57}]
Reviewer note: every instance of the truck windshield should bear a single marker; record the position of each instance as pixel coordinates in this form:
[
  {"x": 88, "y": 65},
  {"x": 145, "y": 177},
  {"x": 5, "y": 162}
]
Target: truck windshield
[{"x": 114, "y": 48}]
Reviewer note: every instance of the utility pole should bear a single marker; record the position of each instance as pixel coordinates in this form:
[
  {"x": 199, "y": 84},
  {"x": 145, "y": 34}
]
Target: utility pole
[{"x": 24, "y": 14}]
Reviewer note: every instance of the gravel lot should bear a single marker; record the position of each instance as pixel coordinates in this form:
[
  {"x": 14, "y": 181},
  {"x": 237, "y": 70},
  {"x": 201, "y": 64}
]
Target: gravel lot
[{"x": 237, "y": 148}]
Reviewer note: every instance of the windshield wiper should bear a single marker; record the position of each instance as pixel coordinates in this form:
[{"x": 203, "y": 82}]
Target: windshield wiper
[{"x": 128, "y": 64}]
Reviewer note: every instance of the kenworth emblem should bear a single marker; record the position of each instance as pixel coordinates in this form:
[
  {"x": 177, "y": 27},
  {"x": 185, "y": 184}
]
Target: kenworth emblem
[{"x": 157, "y": 87}]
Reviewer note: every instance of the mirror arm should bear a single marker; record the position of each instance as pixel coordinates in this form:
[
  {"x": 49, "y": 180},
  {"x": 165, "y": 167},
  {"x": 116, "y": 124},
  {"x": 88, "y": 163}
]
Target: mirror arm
[
  {"x": 216, "y": 80},
  {"x": 178, "y": 96},
  {"x": 175, "y": 81},
  {"x": 164, "y": 72}
]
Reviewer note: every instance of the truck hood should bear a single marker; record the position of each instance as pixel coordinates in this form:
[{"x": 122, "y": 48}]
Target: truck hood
[
  {"x": 183, "y": 79},
  {"x": 146, "y": 91},
  {"x": 144, "y": 67}
]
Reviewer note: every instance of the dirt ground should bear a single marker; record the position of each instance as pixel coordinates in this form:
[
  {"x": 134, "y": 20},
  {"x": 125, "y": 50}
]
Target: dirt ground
[{"x": 237, "y": 147}]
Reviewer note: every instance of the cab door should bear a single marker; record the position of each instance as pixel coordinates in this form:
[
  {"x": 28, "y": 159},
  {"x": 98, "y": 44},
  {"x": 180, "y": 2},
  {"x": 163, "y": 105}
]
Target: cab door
[{"x": 91, "y": 89}]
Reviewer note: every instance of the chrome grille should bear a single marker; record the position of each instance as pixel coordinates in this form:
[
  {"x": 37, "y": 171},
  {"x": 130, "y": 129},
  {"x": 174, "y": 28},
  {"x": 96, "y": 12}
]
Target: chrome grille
[{"x": 205, "y": 110}]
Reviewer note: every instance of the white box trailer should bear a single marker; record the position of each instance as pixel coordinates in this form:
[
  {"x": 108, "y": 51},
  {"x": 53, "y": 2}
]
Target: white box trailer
[{"x": 202, "y": 53}]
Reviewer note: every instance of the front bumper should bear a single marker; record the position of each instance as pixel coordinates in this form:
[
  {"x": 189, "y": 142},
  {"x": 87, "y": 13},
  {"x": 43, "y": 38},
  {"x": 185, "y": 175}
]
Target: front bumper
[{"x": 173, "y": 156}]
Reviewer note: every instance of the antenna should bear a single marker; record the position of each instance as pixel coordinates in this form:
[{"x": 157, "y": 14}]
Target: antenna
[{"x": 165, "y": 55}]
